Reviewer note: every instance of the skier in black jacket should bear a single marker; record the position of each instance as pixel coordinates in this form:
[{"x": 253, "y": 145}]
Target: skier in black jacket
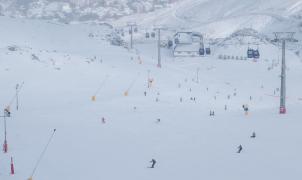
[
  {"x": 239, "y": 149},
  {"x": 153, "y": 161},
  {"x": 253, "y": 135}
]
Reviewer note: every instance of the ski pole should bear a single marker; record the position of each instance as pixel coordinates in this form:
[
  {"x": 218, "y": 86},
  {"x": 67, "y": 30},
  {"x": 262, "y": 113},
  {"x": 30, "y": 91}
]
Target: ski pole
[{"x": 18, "y": 89}]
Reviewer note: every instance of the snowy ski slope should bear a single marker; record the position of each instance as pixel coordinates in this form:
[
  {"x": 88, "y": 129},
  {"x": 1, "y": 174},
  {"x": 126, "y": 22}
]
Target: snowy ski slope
[{"x": 62, "y": 68}]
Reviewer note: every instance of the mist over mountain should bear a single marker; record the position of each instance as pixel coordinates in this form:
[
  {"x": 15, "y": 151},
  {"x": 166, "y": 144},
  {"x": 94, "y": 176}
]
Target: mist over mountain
[{"x": 78, "y": 10}]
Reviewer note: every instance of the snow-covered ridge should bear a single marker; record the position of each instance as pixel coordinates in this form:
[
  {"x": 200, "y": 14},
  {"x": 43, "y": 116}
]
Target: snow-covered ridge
[
  {"x": 220, "y": 18},
  {"x": 78, "y": 10}
]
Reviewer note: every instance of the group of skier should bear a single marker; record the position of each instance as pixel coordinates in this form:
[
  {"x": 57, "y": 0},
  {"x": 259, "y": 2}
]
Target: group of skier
[
  {"x": 212, "y": 113},
  {"x": 240, "y": 148}
]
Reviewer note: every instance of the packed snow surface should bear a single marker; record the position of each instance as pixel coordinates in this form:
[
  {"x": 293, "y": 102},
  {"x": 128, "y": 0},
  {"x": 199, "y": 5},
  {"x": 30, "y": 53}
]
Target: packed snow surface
[{"x": 62, "y": 68}]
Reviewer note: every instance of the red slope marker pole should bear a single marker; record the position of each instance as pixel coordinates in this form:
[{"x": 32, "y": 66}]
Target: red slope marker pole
[
  {"x": 5, "y": 145},
  {"x": 12, "y": 169}
]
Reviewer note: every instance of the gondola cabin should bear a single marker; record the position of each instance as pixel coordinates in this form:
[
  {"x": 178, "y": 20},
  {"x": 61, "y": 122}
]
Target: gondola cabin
[
  {"x": 208, "y": 51},
  {"x": 153, "y": 34},
  {"x": 147, "y": 35},
  {"x": 256, "y": 54},
  {"x": 170, "y": 43},
  {"x": 250, "y": 53},
  {"x": 201, "y": 51}
]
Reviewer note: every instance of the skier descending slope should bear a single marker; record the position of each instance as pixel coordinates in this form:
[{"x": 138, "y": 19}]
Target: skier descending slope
[
  {"x": 212, "y": 113},
  {"x": 153, "y": 161},
  {"x": 246, "y": 109},
  {"x": 239, "y": 149},
  {"x": 7, "y": 112}
]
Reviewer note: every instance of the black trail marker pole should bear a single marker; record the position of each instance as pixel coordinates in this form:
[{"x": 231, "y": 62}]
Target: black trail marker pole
[{"x": 42, "y": 154}]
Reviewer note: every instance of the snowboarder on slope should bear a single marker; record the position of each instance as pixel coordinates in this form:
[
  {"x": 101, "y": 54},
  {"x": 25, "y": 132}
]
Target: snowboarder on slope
[
  {"x": 212, "y": 113},
  {"x": 253, "y": 135}
]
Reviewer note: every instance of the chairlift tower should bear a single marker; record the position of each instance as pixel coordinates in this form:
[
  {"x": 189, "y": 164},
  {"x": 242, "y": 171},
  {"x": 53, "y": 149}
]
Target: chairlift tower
[
  {"x": 158, "y": 29},
  {"x": 283, "y": 37},
  {"x": 131, "y": 25}
]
